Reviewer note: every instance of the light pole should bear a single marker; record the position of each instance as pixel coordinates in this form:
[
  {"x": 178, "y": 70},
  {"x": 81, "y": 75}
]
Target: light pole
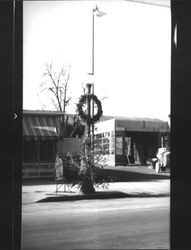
[{"x": 98, "y": 13}]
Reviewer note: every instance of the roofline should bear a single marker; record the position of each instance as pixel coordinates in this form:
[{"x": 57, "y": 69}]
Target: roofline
[
  {"x": 102, "y": 119},
  {"x": 106, "y": 118},
  {"x": 44, "y": 112}
]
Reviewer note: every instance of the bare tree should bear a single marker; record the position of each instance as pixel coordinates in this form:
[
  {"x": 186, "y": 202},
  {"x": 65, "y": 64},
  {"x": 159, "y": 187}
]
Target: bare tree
[{"x": 57, "y": 84}]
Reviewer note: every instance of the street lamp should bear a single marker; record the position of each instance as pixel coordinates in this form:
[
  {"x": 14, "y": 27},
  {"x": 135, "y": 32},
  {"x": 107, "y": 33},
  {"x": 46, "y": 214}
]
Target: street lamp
[{"x": 98, "y": 13}]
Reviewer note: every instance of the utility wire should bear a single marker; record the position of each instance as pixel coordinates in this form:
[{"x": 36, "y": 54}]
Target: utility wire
[{"x": 162, "y": 3}]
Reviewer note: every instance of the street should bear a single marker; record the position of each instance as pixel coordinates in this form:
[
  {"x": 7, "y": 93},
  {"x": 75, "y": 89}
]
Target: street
[{"x": 128, "y": 223}]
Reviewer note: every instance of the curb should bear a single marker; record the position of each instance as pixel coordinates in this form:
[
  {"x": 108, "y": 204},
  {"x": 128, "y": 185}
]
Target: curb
[{"x": 101, "y": 195}]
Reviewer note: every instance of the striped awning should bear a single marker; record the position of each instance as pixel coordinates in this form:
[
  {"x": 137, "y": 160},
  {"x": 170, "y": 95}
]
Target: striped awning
[{"x": 40, "y": 127}]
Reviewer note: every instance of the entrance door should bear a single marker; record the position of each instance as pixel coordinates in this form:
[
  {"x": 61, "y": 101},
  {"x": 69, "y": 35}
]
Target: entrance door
[{"x": 129, "y": 150}]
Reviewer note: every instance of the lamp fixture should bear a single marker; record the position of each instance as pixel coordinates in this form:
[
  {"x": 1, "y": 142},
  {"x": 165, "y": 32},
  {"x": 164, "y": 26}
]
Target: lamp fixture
[{"x": 98, "y": 12}]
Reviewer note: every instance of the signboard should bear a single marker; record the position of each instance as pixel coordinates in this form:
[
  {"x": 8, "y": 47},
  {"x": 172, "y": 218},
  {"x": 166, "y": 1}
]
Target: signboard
[
  {"x": 71, "y": 145},
  {"x": 59, "y": 169},
  {"x": 38, "y": 170}
]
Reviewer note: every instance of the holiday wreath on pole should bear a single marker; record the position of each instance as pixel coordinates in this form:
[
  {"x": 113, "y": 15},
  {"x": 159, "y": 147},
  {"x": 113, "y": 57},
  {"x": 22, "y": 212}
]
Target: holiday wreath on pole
[{"x": 83, "y": 100}]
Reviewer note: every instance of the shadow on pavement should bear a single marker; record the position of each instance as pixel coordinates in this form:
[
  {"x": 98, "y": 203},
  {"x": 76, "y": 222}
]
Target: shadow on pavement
[
  {"x": 115, "y": 174},
  {"x": 132, "y": 175},
  {"x": 100, "y": 195}
]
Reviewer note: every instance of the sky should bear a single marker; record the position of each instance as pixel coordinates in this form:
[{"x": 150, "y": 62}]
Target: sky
[{"x": 132, "y": 54}]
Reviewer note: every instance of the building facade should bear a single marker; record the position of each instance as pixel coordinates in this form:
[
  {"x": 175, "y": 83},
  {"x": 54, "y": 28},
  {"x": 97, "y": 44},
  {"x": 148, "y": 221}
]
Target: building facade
[
  {"x": 127, "y": 141},
  {"x": 122, "y": 141}
]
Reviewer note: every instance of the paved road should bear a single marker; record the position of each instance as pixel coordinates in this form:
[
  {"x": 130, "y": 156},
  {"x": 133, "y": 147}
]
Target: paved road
[{"x": 128, "y": 223}]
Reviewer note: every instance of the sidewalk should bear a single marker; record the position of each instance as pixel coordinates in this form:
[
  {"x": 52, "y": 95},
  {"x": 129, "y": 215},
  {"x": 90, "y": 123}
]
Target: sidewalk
[{"x": 150, "y": 187}]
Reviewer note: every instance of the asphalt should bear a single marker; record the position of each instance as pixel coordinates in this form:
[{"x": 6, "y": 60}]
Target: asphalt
[{"x": 136, "y": 181}]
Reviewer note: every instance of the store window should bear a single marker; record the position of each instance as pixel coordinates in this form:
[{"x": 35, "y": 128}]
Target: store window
[
  {"x": 105, "y": 143},
  {"x": 42, "y": 151},
  {"x": 26, "y": 151},
  {"x": 30, "y": 151},
  {"x": 119, "y": 145},
  {"x": 46, "y": 151},
  {"x": 35, "y": 151},
  {"x": 50, "y": 150}
]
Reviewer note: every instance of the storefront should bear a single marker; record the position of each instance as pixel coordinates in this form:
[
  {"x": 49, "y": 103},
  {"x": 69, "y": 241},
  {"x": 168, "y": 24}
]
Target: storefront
[
  {"x": 122, "y": 141},
  {"x": 128, "y": 141},
  {"x": 40, "y": 139}
]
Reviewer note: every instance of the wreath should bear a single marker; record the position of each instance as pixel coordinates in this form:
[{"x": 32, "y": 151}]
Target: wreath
[{"x": 83, "y": 115}]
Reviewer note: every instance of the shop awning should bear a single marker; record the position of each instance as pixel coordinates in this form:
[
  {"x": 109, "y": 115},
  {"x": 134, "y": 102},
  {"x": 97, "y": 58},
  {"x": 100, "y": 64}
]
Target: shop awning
[{"x": 40, "y": 127}]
